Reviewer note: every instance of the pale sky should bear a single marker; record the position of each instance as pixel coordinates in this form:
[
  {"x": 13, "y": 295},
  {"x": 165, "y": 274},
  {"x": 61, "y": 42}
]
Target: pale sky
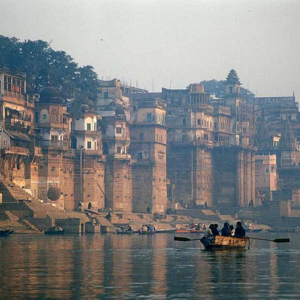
[{"x": 170, "y": 43}]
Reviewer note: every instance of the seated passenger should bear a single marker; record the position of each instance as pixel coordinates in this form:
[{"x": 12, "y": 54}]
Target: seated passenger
[
  {"x": 226, "y": 230},
  {"x": 239, "y": 230},
  {"x": 215, "y": 230},
  {"x": 232, "y": 231},
  {"x": 209, "y": 232}
]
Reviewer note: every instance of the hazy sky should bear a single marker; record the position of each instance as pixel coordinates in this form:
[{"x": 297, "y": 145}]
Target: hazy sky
[{"x": 168, "y": 42}]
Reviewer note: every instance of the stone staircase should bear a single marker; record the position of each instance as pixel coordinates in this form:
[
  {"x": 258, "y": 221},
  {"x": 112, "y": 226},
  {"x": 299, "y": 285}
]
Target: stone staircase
[
  {"x": 30, "y": 226},
  {"x": 13, "y": 193},
  {"x": 14, "y": 223}
]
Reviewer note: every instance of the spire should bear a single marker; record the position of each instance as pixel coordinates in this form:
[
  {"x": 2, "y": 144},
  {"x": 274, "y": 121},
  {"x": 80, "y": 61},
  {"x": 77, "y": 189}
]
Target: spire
[
  {"x": 262, "y": 136},
  {"x": 287, "y": 141},
  {"x": 233, "y": 78}
]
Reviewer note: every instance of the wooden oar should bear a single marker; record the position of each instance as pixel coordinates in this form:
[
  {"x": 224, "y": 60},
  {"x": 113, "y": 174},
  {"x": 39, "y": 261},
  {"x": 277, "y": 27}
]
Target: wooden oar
[
  {"x": 285, "y": 240},
  {"x": 184, "y": 239}
]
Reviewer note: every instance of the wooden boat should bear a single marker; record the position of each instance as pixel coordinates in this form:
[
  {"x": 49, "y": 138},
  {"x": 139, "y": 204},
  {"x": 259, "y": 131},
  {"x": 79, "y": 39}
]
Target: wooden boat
[
  {"x": 146, "y": 232},
  {"x": 165, "y": 231},
  {"x": 126, "y": 232},
  {"x": 225, "y": 243},
  {"x": 6, "y": 232},
  {"x": 55, "y": 230}
]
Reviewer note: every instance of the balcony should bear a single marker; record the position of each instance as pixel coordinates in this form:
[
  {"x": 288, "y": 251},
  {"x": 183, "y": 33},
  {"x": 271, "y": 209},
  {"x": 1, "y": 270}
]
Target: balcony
[
  {"x": 56, "y": 145},
  {"x": 90, "y": 152},
  {"x": 16, "y": 150}
]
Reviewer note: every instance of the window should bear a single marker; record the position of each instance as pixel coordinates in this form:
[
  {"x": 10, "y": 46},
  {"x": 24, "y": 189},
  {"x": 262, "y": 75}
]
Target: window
[
  {"x": 118, "y": 150},
  {"x": 54, "y": 137},
  {"x": 105, "y": 95},
  {"x": 119, "y": 130},
  {"x": 54, "y": 118},
  {"x": 89, "y": 126},
  {"x": 44, "y": 116},
  {"x": 230, "y": 90},
  {"x": 141, "y": 137},
  {"x": 199, "y": 121},
  {"x": 148, "y": 117},
  {"x": 183, "y": 121},
  {"x": 89, "y": 145}
]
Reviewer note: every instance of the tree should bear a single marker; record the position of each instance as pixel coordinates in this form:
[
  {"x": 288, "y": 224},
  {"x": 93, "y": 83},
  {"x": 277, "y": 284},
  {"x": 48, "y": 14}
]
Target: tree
[{"x": 44, "y": 66}]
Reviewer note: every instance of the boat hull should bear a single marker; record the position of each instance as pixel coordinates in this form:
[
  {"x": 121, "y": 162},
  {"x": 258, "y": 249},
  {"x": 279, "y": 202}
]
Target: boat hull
[
  {"x": 126, "y": 232},
  {"x": 6, "y": 232},
  {"x": 225, "y": 243},
  {"x": 146, "y": 232}
]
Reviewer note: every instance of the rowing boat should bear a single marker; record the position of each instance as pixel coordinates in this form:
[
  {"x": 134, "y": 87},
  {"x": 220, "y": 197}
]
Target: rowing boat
[{"x": 225, "y": 243}]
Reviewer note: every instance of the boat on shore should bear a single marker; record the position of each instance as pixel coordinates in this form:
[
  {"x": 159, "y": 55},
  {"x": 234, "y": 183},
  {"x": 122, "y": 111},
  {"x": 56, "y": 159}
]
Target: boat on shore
[
  {"x": 55, "y": 230},
  {"x": 225, "y": 243},
  {"x": 146, "y": 232},
  {"x": 6, "y": 232},
  {"x": 126, "y": 232}
]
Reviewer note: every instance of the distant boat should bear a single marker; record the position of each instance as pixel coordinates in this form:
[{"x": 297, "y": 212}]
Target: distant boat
[
  {"x": 166, "y": 230},
  {"x": 55, "y": 230},
  {"x": 6, "y": 232},
  {"x": 146, "y": 232},
  {"x": 126, "y": 232},
  {"x": 225, "y": 243}
]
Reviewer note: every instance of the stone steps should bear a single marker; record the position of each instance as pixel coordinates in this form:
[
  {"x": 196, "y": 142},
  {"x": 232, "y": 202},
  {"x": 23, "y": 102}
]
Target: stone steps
[
  {"x": 11, "y": 216},
  {"x": 13, "y": 193},
  {"x": 30, "y": 225}
]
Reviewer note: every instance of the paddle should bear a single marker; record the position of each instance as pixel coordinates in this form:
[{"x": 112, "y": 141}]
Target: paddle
[
  {"x": 285, "y": 240},
  {"x": 184, "y": 239}
]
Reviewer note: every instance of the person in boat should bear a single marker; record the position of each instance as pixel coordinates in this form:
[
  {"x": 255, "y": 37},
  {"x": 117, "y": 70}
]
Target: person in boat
[
  {"x": 199, "y": 226},
  {"x": 145, "y": 228},
  {"x": 208, "y": 237},
  {"x": 89, "y": 205},
  {"x": 129, "y": 228},
  {"x": 232, "y": 231},
  {"x": 239, "y": 230},
  {"x": 119, "y": 229},
  {"x": 225, "y": 230},
  {"x": 215, "y": 230},
  {"x": 209, "y": 232}
]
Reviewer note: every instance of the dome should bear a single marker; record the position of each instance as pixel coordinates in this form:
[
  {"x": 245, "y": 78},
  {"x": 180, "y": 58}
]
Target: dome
[{"x": 50, "y": 95}]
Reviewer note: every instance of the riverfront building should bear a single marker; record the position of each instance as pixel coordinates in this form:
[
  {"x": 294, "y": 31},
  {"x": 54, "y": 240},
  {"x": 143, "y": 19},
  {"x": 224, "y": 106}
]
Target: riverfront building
[{"x": 135, "y": 151}]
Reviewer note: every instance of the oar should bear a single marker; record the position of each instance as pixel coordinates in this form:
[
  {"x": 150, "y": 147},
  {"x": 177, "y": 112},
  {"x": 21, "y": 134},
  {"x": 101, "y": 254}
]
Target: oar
[
  {"x": 184, "y": 239},
  {"x": 285, "y": 240}
]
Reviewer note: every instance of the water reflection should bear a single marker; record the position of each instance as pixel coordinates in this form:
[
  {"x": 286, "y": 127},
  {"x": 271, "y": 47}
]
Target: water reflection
[{"x": 149, "y": 267}]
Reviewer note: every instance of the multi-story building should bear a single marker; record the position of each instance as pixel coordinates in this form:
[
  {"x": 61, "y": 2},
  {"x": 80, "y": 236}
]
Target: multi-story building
[
  {"x": 116, "y": 114},
  {"x": 149, "y": 153},
  {"x": 89, "y": 160}
]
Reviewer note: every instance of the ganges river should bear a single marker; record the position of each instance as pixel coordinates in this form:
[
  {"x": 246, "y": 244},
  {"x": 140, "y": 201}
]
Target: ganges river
[{"x": 145, "y": 267}]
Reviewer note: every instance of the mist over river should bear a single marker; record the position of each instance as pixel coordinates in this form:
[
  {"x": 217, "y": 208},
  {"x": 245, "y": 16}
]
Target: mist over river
[{"x": 146, "y": 267}]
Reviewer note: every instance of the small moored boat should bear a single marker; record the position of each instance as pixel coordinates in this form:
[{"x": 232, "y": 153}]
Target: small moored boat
[
  {"x": 225, "y": 243},
  {"x": 55, "y": 230},
  {"x": 6, "y": 232},
  {"x": 126, "y": 232},
  {"x": 146, "y": 232}
]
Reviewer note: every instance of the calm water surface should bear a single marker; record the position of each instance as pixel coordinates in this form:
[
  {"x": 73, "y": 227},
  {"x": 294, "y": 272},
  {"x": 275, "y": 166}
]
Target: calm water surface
[{"x": 145, "y": 267}]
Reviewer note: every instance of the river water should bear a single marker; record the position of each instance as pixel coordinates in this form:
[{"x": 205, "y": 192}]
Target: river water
[{"x": 145, "y": 267}]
